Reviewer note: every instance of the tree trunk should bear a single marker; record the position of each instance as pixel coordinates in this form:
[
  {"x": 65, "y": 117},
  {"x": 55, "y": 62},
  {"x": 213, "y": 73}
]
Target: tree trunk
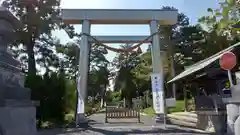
[
  {"x": 31, "y": 57},
  {"x": 103, "y": 97},
  {"x": 31, "y": 42},
  {"x": 129, "y": 102},
  {"x": 185, "y": 99}
]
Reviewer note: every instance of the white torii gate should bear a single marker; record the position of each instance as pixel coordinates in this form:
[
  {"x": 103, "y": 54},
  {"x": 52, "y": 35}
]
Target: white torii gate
[{"x": 86, "y": 17}]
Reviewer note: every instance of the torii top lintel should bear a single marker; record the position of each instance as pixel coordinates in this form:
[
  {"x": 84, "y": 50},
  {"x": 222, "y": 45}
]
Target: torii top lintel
[{"x": 119, "y": 16}]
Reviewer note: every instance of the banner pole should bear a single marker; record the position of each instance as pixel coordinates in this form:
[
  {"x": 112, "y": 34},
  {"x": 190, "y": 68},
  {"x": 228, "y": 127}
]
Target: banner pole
[{"x": 230, "y": 77}]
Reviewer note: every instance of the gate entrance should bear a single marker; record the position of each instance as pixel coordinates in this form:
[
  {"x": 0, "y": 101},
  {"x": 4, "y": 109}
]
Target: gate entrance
[{"x": 87, "y": 17}]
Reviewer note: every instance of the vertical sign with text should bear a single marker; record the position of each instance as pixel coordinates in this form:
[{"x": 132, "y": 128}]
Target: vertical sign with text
[
  {"x": 80, "y": 103},
  {"x": 157, "y": 93}
]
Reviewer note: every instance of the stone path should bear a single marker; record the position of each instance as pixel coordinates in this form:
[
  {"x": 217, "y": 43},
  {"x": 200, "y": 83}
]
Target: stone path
[
  {"x": 148, "y": 126},
  {"x": 122, "y": 131}
]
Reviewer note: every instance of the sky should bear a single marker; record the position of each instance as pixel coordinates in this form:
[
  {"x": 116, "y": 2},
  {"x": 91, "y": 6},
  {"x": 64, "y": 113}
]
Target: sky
[{"x": 192, "y": 8}]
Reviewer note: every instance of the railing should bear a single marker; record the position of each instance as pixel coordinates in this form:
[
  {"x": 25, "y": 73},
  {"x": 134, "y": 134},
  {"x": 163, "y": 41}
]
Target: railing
[
  {"x": 211, "y": 113},
  {"x": 112, "y": 112}
]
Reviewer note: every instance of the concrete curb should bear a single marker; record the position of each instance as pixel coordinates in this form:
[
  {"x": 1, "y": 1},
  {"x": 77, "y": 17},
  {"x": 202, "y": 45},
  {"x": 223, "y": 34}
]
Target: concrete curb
[{"x": 144, "y": 114}]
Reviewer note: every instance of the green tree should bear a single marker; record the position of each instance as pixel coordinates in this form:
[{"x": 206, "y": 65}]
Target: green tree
[
  {"x": 98, "y": 81},
  {"x": 99, "y": 73},
  {"x": 142, "y": 72},
  {"x": 70, "y": 58},
  {"x": 125, "y": 63},
  {"x": 70, "y": 96},
  {"x": 39, "y": 18},
  {"x": 223, "y": 18},
  {"x": 36, "y": 84}
]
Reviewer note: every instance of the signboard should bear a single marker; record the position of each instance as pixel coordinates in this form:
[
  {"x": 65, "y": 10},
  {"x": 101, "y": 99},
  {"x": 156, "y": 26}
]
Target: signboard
[
  {"x": 228, "y": 61},
  {"x": 80, "y": 103},
  {"x": 157, "y": 93}
]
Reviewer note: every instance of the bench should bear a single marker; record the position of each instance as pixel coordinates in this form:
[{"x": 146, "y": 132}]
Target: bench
[{"x": 113, "y": 112}]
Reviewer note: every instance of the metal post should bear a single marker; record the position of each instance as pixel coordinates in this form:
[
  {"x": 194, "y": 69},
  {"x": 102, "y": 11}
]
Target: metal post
[
  {"x": 157, "y": 62},
  {"x": 230, "y": 78},
  {"x": 83, "y": 72}
]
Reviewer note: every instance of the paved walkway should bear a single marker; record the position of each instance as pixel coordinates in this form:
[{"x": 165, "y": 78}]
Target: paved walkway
[
  {"x": 98, "y": 119},
  {"x": 148, "y": 126},
  {"x": 121, "y": 131}
]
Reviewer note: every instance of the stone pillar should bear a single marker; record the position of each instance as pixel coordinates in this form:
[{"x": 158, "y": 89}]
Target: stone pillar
[
  {"x": 83, "y": 72},
  {"x": 17, "y": 112},
  {"x": 232, "y": 115},
  {"x": 237, "y": 126},
  {"x": 233, "y": 110},
  {"x": 157, "y": 62}
]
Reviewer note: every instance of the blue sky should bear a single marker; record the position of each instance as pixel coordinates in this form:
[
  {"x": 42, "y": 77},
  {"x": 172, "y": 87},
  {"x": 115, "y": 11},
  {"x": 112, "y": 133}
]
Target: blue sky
[{"x": 192, "y": 8}]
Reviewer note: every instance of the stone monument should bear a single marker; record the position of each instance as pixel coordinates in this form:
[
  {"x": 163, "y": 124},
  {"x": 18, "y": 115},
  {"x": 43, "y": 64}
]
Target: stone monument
[{"x": 17, "y": 111}]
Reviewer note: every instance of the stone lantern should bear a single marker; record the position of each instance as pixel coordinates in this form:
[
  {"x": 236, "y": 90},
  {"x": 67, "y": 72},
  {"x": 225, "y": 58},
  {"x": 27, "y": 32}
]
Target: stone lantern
[{"x": 17, "y": 111}]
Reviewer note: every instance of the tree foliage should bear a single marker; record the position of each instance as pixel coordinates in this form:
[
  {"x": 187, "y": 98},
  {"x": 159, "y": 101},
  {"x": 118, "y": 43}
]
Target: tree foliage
[
  {"x": 223, "y": 18},
  {"x": 50, "y": 90},
  {"x": 34, "y": 42}
]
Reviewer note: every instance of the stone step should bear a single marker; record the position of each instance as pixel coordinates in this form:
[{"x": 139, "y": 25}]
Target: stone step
[
  {"x": 182, "y": 123},
  {"x": 185, "y": 118},
  {"x": 188, "y": 119},
  {"x": 187, "y": 114}
]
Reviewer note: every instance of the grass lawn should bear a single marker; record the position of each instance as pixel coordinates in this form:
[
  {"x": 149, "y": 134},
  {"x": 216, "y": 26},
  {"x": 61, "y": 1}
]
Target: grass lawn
[{"x": 178, "y": 108}]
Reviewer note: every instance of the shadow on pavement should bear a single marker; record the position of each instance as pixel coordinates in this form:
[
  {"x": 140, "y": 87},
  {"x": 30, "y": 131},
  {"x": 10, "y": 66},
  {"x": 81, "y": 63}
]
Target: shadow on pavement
[
  {"x": 87, "y": 129},
  {"x": 140, "y": 131},
  {"x": 97, "y": 127}
]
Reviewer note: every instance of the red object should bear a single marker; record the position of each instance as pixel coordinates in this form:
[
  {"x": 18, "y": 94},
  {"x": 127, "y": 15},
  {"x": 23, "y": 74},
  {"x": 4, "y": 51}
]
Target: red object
[{"x": 228, "y": 61}]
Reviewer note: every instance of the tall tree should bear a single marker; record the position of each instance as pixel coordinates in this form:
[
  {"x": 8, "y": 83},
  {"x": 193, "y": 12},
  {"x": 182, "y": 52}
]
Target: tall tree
[
  {"x": 39, "y": 18},
  {"x": 70, "y": 58},
  {"x": 97, "y": 84},
  {"x": 125, "y": 63},
  {"x": 142, "y": 72},
  {"x": 98, "y": 72}
]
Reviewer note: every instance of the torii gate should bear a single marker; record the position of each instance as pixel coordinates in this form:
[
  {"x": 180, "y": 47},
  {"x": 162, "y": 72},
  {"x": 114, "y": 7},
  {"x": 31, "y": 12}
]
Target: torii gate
[{"x": 86, "y": 17}]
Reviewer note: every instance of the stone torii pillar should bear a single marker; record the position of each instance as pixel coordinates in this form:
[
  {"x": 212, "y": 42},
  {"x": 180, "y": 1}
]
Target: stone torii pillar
[
  {"x": 157, "y": 65},
  {"x": 83, "y": 72}
]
